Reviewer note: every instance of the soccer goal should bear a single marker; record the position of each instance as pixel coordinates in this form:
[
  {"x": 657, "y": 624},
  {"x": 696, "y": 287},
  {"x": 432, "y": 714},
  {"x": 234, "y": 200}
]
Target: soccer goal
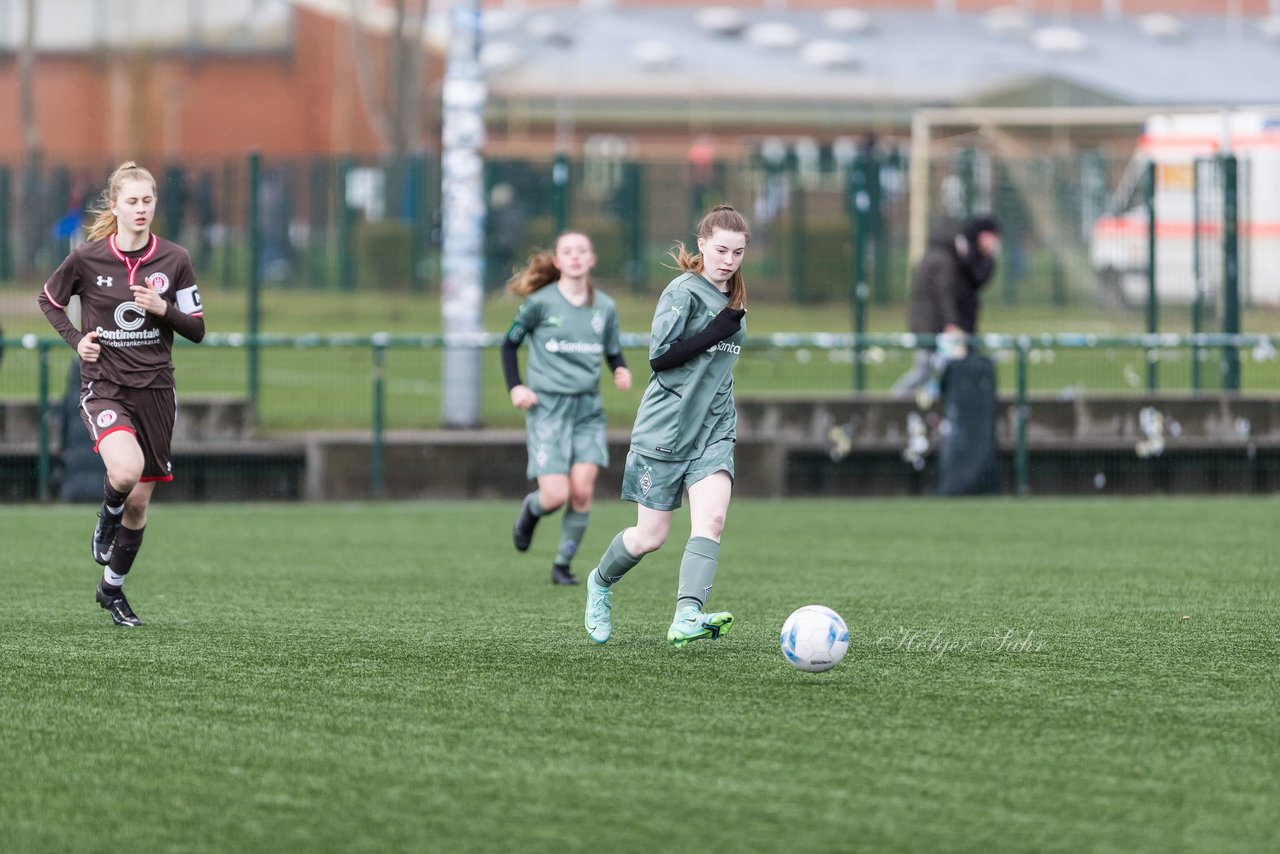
[{"x": 1077, "y": 191}]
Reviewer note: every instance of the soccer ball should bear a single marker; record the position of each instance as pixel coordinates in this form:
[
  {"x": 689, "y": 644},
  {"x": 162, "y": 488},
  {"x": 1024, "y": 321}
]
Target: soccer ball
[{"x": 814, "y": 638}]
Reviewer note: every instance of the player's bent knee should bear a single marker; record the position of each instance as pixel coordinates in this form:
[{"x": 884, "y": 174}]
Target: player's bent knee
[
  {"x": 647, "y": 541},
  {"x": 553, "y": 490},
  {"x": 123, "y": 460},
  {"x": 124, "y": 476},
  {"x": 705, "y": 533},
  {"x": 710, "y": 528}
]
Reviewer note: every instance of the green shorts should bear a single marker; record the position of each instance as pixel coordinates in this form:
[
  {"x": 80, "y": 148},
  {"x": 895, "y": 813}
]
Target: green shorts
[
  {"x": 564, "y": 429},
  {"x": 660, "y": 484}
]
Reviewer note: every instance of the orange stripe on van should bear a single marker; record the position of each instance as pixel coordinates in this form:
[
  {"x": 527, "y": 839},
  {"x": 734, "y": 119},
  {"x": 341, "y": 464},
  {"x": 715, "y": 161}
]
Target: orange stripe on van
[{"x": 1115, "y": 227}]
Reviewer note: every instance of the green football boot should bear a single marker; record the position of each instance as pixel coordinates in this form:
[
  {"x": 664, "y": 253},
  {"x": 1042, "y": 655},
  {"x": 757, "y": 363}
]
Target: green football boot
[
  {"x": 691, "y": 625},
  {"x": 599, "y": 619}
]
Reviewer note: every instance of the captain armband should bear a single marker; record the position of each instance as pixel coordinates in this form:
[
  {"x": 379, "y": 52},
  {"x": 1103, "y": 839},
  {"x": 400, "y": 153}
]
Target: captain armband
[{"x": 189, "y": 300}]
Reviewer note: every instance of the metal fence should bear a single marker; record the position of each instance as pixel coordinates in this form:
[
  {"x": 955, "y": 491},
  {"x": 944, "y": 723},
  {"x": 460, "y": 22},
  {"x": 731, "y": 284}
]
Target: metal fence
[
  {"x": 368, "y": 386},
  {"x": 829, "y": 223}
]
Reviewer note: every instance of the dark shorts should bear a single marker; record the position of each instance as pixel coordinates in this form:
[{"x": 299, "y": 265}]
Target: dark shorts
[{"x": 148, "y": 413}]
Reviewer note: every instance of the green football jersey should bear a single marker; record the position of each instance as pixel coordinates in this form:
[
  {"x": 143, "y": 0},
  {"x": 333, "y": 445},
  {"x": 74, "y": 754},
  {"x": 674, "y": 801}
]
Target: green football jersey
[
  {"x": 690, "y": 406},
  {"x": 566, "y": 341}
]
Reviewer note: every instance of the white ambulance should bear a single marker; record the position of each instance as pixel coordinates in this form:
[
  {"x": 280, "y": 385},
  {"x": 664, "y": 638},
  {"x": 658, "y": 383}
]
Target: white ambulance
[{"x": 1185, "y": 149}]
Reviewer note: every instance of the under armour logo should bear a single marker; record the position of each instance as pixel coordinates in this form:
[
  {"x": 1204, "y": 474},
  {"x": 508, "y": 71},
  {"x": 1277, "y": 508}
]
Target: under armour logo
[{"x": 104, "y": 281}]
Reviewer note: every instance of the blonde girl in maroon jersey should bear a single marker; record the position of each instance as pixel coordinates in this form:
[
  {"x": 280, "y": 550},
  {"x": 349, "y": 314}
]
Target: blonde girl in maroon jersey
[{"x": 136, "y": 290}]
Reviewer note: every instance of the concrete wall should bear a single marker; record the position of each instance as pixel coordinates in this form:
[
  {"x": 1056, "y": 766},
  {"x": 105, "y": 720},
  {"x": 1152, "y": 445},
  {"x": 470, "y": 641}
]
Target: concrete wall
[{"x": 787, "y": 446}]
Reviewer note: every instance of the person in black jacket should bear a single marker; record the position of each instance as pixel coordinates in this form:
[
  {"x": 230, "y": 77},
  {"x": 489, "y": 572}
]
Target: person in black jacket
[{"x": 945, "y": 293}]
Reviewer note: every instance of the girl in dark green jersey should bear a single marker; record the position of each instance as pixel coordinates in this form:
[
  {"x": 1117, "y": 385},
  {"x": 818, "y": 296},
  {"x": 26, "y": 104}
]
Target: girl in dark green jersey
[
  {"x": 684, "y": 433},
  {"x": 569, "y": 327}
]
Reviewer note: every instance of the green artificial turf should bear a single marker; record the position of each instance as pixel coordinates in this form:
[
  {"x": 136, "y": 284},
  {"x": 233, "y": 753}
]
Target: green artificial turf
[{"x": 1035, "y": 675}]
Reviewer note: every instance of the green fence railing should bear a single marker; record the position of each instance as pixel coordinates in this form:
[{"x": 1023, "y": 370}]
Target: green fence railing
[{"x": 780, "y": 363}]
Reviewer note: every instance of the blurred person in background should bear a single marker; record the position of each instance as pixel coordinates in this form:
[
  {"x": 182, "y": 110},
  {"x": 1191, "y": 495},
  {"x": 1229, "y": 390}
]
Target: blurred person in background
[
  {"x": 136, "y": 290},
  {"x": 945, "y": 298},
  {"x": 569, "y": 325},
  {"x": 685, "y": 430}
]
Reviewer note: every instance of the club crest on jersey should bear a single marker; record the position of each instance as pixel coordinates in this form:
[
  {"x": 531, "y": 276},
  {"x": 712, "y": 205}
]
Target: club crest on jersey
[
  {"x": 158, "y": 282},
  {"x": 597, "y": 322},
  {"x": 107, "y": 417}
]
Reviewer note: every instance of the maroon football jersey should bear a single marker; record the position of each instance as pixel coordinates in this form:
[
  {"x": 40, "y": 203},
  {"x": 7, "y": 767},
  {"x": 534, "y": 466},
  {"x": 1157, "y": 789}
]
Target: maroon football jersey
[{"x": 137, "y": 346}]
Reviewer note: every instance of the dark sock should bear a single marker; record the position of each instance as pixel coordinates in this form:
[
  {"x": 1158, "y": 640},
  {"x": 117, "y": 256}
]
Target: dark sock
[
  {"x": 112, "y": 498},
  {"x": 128, "y": 541}
]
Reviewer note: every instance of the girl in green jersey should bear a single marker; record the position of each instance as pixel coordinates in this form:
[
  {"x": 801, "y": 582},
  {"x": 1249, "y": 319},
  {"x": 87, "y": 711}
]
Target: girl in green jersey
[
  {"x": 684, "y": 432},
  {"x": 568, "y": 327}
]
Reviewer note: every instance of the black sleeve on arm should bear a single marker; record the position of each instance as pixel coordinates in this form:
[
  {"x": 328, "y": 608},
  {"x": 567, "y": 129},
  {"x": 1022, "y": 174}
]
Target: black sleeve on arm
[
  {"x": 189, "y": 326},
  {"x": 682, "y": 351},
  {"x": 510, "y": 366},
  {"x": 723, "y": 325},
  {"x": 615, "y": 361}
]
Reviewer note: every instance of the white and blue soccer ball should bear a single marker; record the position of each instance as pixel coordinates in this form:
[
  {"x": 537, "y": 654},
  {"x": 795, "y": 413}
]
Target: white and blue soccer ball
[{"x": 814, "y": 638}]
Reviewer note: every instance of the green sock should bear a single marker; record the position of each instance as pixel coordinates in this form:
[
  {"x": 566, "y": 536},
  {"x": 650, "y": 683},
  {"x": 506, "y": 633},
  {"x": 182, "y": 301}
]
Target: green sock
[
  {"x": 697, "y": 572},
  {"x": 572, "y": 527},
  {"x": 535, "y": 506},
  {"x": 615, "y": 562}
]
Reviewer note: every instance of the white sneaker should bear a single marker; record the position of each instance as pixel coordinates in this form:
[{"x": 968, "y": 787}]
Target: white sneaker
[{"x": 599, "y": 619}]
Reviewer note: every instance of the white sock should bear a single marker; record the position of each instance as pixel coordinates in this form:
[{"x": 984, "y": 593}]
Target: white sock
[{"x": 111, "y": 578}]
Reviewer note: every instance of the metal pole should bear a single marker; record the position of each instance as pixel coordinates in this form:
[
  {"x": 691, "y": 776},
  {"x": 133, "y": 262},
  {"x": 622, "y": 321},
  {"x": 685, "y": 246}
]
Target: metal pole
[
  {"x": 796, "y": 250},
  {"x": 918, "y": 194},
  {"x": 346, "y": 228},
  {"x": 1057, "y": 283},
  {"x": 43, "y": 461},
  {"x": 1153, "y": 380},
  {"x": 417, "y": 223},
  {"x": 633, "y": 175},
  {"x": 876, "y": 246},
  {"x": 859, "y": 207},
  {"x": 6, "y": 237},
  {"x": 377, "y": 467},
  {"x": 1021, "y": 461},
  {"x": 1197, "y": 271},
  {"x": 463, "y": 203},
  {"x": 173, "y": 193},
  {"x": 560, "y": 191},
  {"x": 255, "y": 272},
  {"x": 227, "y": 256},
  {"x": 1230, "y": 271},
  {"x": 318, "y": 233},
  {"x": 967, "y": 169}
]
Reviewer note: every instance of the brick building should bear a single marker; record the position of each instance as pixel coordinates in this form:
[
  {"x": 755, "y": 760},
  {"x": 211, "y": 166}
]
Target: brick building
[{"x": 193, "y": 79}]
